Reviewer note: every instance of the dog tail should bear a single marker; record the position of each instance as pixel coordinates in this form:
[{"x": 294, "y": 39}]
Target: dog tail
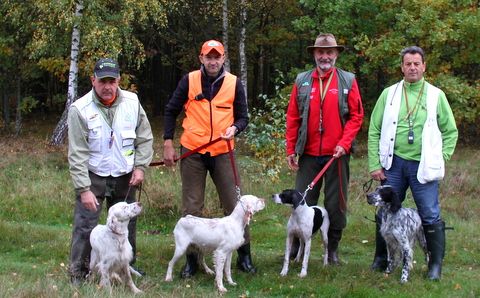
[{"x": 135, "y": 272}]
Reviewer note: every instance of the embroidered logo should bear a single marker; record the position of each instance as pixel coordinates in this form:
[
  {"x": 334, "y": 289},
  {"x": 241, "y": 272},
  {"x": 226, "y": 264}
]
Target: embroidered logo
[{"x": 93, "y": 117}]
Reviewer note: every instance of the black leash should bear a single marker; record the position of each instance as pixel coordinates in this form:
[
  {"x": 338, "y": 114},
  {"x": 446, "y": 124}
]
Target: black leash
[
  {"x": 139, "y": 188},
  {"x": 366, "y": 188}
]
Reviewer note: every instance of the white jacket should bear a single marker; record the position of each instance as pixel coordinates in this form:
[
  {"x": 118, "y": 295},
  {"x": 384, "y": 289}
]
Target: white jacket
[
  {"x": 432, "y": 164},
  {"x": 112, "y": 151}
]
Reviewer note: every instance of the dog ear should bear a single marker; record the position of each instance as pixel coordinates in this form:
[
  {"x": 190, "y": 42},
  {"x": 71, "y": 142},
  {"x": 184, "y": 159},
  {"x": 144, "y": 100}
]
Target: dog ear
[
  {"x": 396, "y": 204},
  {"x": 113, "y": 224},
  {"x": 247, "y": 217}
]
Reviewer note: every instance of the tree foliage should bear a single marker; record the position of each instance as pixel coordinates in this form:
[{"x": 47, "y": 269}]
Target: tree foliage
[
  {"x": 35, "y": 35},
  {"x": 376, "y": 31},
  {"x": 157, "y": 41}
]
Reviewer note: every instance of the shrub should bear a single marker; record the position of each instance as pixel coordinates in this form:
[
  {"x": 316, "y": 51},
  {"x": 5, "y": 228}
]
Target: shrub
[{"x": 265, "y": 136}]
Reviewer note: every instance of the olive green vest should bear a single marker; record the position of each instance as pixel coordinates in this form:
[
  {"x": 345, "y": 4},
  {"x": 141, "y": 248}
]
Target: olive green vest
[{"x": 304, "y": 88}]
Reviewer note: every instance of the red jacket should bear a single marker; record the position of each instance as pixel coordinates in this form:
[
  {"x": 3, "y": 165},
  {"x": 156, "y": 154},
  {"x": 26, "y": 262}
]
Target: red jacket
[{"x": 333, "y": 133}]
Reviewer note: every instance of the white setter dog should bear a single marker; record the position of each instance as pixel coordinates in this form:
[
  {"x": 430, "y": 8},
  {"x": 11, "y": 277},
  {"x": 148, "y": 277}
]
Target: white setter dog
[
  {"x": 400, "y": 227},
  {"x": 218, "y": 235},
  {"x": 111, "y": 251}
]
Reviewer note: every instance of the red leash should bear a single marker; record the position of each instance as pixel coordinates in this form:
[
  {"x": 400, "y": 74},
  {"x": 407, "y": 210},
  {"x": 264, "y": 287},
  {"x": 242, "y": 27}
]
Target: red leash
[
  {"x": 319, "y": 175},
  {"x": 187, "y": 154},
  {"x": 343, "y": 205},
  {"x": 230, "y": 151}
]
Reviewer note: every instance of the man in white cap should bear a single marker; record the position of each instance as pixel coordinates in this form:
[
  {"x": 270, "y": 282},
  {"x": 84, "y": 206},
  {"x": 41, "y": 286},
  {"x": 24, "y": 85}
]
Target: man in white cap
[
  {"x": 215, "y": 106},
  {"x": 324, "y": 115},
  {"x": 109, "y": 148}
]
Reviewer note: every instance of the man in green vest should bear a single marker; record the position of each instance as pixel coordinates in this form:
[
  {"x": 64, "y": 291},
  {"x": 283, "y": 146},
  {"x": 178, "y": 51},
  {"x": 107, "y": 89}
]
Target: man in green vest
[{"x": 324, "y": 115}]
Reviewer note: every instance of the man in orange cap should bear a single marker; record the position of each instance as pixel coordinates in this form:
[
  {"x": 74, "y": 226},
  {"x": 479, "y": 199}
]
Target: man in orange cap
[
  {"x": 324, "y": 115},
  {"x": 215, "y": 106}
]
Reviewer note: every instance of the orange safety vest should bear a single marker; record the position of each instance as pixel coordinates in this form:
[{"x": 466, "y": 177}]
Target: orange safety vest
[{"x": 205, "y": 120}]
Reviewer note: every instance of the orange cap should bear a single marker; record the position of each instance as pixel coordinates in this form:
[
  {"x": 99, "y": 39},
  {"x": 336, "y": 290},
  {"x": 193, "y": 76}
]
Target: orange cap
[{"x": 211, "y": 45}]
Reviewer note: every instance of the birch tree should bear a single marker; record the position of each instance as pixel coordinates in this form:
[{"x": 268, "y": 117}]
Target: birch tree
[
  {"x": 59, "y": 133},
  {"x": 225, "y": 33},
  {"x": 241, "y": 46}
]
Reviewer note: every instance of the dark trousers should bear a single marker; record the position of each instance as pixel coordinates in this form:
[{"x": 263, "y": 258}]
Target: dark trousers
[
  {"x": 109, "y": 189},
  {"x": 336, "y": 180},
  {"x": 194, "y": 170}
]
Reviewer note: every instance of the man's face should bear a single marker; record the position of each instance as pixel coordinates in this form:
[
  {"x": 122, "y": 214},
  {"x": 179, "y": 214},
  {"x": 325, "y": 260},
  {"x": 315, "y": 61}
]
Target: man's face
[
  {"x": 325, "y": 58},
  {"x": 413, "y": 67},
  {"x": 105, "y": 88},
  {"x": 212, "y": 62}
]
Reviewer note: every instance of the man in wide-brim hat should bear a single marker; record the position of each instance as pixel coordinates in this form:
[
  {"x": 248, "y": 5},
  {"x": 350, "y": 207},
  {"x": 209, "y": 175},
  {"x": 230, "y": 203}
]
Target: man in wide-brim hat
[
  {"x": 325, "y": 40},
  {"x": 324, "y": 115}
]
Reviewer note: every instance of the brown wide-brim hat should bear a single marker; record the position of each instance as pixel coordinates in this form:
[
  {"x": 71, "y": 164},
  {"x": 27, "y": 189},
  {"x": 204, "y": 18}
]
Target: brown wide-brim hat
[{"x": 325, "y": 40}]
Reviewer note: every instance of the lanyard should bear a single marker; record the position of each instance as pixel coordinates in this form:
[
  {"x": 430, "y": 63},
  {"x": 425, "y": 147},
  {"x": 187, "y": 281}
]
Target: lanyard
[
  {"x": 410, "y": 112},
  {"x": 323, "y": 94}
]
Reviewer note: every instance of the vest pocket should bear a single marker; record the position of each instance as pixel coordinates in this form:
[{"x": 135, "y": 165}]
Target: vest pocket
[
  {"x": 128, "y": 146},
  {"x": 95, "y": 135}
]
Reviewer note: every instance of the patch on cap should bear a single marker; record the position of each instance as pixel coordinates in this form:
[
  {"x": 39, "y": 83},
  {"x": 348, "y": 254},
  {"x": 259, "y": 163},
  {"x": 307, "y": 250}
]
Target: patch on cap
[
  {"x": 211, "y": 45},
  {"x": 106, "y": 68}
]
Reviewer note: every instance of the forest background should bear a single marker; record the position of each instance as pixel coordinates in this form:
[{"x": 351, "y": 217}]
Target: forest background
[
  {"x": 47, "y": 53},
  {"x": 158, "y": 41}
]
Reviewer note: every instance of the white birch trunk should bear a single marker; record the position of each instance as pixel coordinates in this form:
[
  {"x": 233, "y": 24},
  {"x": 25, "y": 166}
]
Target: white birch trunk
[
  {"x": 225, "y": 34},
  {"x": 241, "y": 46},
  {"x": 60, "y": 131}
]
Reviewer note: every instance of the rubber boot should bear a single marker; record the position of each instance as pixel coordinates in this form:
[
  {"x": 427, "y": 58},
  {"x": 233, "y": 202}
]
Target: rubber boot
[
  {"x": 435, "y": 236},
  {"x": 244, "y": 261},
  {"x": 334, "y": 237},
  {"x": 380, "y": 261},
  {"x": 191, "y": 266}
]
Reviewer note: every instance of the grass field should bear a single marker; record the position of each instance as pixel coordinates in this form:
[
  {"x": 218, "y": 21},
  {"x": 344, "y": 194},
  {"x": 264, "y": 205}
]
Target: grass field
[{"x": 37, "y": 207}]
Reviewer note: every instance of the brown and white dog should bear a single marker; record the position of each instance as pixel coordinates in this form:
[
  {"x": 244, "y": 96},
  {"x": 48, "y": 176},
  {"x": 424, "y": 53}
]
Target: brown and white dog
[
  {"x": 111, "y": 251},
  {"x": 218, "y": 235}
]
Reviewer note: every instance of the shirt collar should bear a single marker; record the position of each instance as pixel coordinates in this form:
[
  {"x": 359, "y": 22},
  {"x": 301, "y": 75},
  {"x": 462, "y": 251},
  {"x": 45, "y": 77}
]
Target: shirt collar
[
  {"x": 316, "y": 75},
  {"x": 414, "y": 85},
  {"x": 97, "y": 100}
]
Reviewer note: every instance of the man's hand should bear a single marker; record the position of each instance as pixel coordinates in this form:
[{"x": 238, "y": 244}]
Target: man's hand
[
  {"x": 339, "y": 151},
  {"x": 169, "y": 154},
  {"x": 378, "y": 175},
  {"x": 89, "y": 200},
  {"x": 229, "y": 133},
  {"x": 137, "y": 177},
  {"x": 292, "y": 162}
]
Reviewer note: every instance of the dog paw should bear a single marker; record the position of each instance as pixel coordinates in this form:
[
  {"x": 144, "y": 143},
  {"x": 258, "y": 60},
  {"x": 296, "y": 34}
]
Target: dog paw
[
  {"x": 284, "y": 273},
  {"x": 222, "y": 290},
  {"x": 232, "y": 283},
  {"x": 168, "y": 278},
  {"x": 302, "y": 274}
]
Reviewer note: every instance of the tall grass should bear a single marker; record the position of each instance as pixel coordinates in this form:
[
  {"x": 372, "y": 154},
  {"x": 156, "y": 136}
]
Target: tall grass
[{"x": 35, "y": 229}]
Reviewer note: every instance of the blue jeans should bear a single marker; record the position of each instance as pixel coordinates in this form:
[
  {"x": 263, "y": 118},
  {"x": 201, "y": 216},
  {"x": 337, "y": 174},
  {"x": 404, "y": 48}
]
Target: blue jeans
[{"x": 403, "y": 174}]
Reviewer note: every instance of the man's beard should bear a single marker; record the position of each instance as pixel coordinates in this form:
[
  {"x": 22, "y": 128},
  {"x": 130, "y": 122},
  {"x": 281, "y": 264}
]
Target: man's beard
[{"x": 325, "y": 64}]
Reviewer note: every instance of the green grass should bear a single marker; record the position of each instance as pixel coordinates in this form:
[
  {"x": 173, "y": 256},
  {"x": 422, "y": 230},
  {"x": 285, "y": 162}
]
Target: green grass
[{"x": 37, "y": 208}]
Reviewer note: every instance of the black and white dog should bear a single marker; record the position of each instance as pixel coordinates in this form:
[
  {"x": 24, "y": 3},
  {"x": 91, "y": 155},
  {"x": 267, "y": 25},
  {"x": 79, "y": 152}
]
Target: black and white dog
[
  {"x": 302, "y": 224},
  {"x": 400, "y": 227}
]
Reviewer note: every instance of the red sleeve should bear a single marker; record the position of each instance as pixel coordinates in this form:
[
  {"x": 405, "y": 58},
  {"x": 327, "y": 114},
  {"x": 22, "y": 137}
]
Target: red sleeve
[
  {"x": 354, "y": 123},
  {"x": 293, "y": 122}
]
